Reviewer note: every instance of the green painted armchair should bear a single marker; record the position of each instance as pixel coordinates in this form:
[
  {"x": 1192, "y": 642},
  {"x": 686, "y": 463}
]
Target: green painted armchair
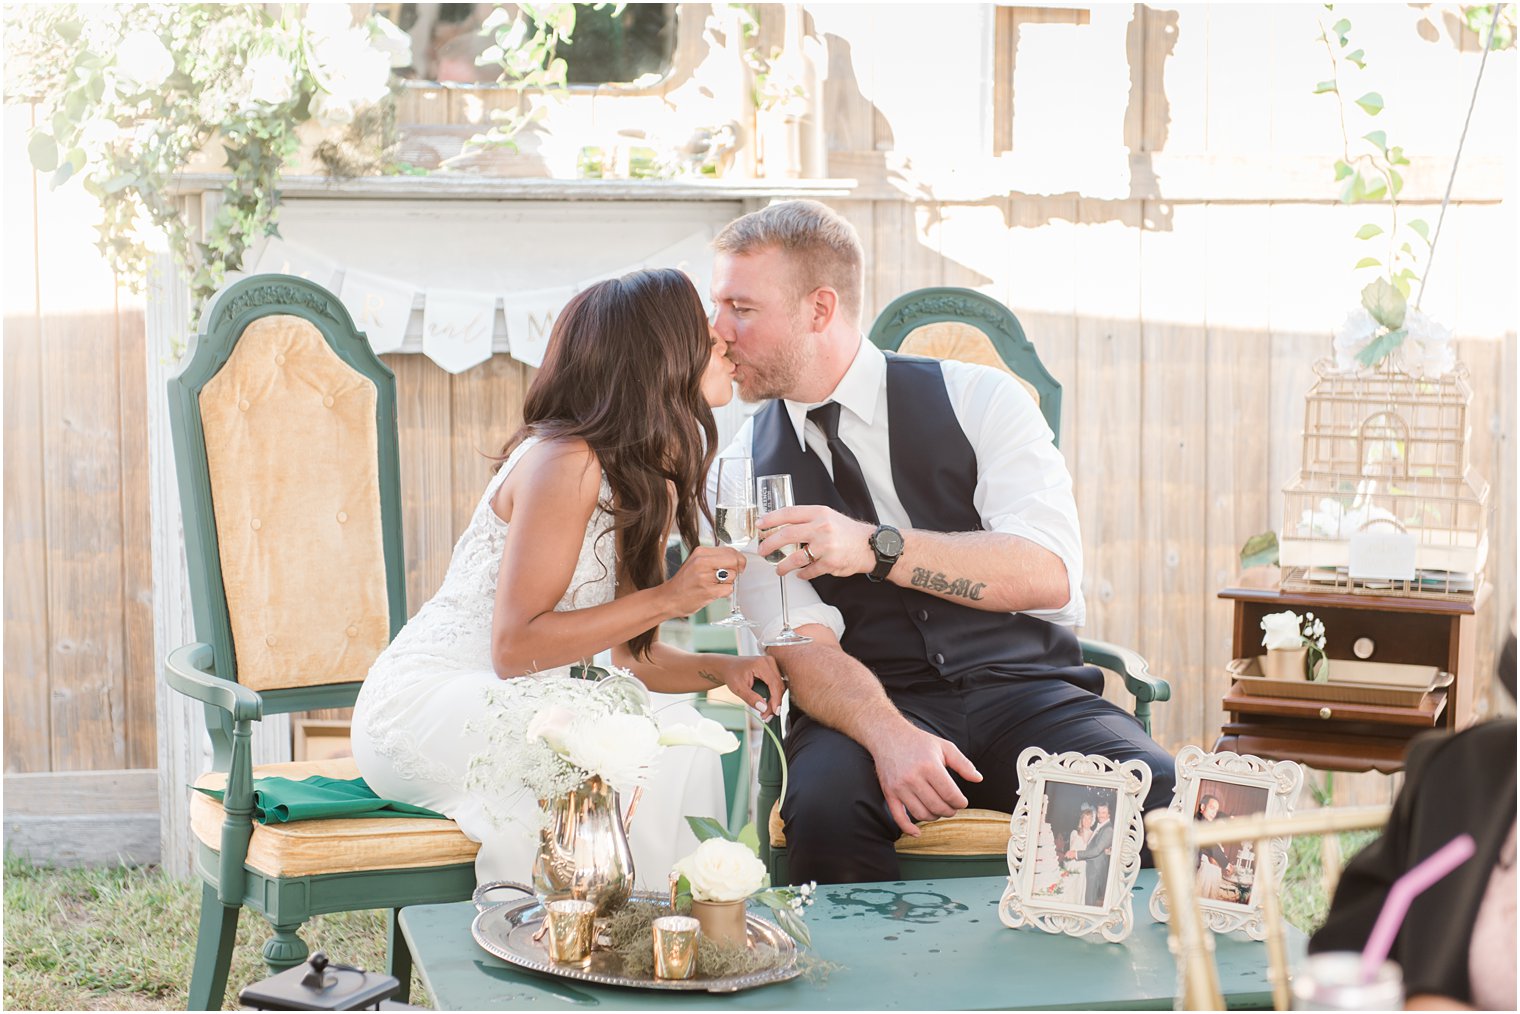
[{"x": 284, "y": 426}]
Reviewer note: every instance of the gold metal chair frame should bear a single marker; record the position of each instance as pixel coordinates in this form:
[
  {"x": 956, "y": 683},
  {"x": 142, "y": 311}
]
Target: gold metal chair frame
[{"x": 1174, "y": 840}]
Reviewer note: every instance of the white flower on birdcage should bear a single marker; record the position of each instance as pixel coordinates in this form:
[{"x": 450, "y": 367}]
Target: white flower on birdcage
[
  {"x": 1428, "y": 351},
  {"x": 1333, "y": 520},
  {"x": 1356, "y": 331}
]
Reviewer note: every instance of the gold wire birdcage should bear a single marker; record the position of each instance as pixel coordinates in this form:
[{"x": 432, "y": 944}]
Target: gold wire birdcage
[{"x": 1386, "y": 450}]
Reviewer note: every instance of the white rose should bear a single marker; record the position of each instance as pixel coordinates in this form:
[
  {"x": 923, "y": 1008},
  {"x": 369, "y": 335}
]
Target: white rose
[
  {"x": 1354, "y": 334},
  {"x": 268, "y": 80},
  {"x": 142, "y": 62},
  {"x": 391, "y": 41},
  {"x": 1281, "y": 630},
  {"x": 349, "y": 68},
  {"x": 1428, "y": 351},
  {"x": 620, "y": 748},
  {"x": 331, "y": 111},
  {"x": 706, "y": 733},
  {"x": 552, "y": 725},
  {"x": 722, "y": 870}
]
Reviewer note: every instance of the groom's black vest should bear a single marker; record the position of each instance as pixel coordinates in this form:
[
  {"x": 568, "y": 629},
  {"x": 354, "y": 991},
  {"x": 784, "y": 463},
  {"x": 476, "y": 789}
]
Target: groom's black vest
[{"x": 903, "y": 635}]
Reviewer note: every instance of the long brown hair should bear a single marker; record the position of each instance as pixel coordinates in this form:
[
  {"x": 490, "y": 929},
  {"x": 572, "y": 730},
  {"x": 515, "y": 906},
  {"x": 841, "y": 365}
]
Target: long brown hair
[{"x": 623, "y": 371}]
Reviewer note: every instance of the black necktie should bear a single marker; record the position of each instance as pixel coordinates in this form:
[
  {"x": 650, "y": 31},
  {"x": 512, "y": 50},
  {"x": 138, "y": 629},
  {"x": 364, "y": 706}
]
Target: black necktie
[{"x": 848, "y": 478}]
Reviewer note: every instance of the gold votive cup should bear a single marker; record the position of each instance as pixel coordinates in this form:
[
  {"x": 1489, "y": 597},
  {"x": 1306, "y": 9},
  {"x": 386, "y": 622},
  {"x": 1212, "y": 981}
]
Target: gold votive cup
[
  {"x": 571, "y": 922},
  {"x": 675, "y": 947}
]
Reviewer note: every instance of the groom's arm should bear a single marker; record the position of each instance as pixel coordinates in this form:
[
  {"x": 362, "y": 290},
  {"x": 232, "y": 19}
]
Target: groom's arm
[
  {"x": 1101, "y": 842},
  {"x": 912, "y": 765}
]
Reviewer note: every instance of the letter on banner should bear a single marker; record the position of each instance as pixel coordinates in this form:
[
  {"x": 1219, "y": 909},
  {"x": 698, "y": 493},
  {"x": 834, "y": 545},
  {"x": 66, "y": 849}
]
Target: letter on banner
[
  {"x": 456, "y": 328},
  {"x": 282, "y": 258},
  {"x": 530, "y": 319},
  {"x": 380, "y": 307}
]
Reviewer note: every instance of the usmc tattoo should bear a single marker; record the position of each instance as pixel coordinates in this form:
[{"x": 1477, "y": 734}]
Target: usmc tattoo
[
  {"x": 936, "y": 581},
  {"x": 710, "y": 677}
]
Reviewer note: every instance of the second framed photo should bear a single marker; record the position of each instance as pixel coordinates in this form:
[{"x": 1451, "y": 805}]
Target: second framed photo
[{"x": 1213, "y": 786}]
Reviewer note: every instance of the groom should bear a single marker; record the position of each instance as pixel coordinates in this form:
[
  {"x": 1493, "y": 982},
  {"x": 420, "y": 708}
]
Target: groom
[
  {"x": 1097, "y": 857},
  {"x": 937, "y": 563}
]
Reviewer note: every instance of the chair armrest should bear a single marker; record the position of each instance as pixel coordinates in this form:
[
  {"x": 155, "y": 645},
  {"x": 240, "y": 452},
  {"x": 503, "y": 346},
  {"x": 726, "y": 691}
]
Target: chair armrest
[
  {"x": 1135, "y": 671},
  {"x": 187, "y": 669}
]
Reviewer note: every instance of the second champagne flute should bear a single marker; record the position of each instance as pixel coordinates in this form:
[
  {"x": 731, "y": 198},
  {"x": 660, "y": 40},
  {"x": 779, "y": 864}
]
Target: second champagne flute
[
  {"x": 774, "y": 492},
  {"x": 734, "y": 522}
]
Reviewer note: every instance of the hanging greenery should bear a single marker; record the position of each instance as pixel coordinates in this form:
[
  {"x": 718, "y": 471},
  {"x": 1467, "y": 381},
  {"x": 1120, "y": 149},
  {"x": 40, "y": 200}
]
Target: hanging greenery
[{"x": 128, "y": 94}]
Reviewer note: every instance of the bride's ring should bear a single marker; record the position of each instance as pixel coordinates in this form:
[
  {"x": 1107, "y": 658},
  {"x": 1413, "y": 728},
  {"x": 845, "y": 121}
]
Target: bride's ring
[
  {"x": 721, "y": 575},
  {"x": 809, "y": 552}
]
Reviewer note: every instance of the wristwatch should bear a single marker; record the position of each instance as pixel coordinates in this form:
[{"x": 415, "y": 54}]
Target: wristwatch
[{"x": 887, "y": 543}]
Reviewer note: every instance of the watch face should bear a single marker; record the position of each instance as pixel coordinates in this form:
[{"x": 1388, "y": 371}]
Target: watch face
[{"x": 889, "y": 542}]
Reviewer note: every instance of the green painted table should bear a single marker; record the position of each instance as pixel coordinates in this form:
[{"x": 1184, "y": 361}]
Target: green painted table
[{"x": 915, "y": 945}]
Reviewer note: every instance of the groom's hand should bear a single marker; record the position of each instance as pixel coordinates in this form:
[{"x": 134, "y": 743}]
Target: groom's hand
[
  {"x": 914, "y": 771},
  {"x": 835, "y": 545}
]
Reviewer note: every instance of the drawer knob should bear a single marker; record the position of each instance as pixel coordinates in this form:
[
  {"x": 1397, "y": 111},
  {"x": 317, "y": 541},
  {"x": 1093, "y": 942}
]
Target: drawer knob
[
  {"x": 1324, "y": 712},
  {"x": 1363, "y": 647}
]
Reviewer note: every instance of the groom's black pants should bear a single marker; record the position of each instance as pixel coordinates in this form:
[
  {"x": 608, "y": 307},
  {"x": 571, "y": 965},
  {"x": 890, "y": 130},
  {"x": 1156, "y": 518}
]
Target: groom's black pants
[{"x": 838, "y": 828}]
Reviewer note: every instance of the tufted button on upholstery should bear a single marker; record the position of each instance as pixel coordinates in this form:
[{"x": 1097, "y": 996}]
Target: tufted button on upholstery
[
  {"x": 352, "y": 631},
  {"x": 923, "y": 614},
  {"x": 342, "y": 517},
  {"x": 939, "y": 659},
  {"x": 255, "y": 524},
  {"x": 243, "y": 405},
  {"x": 328, "y": 401},
  {"x": 279, "y": 359}
]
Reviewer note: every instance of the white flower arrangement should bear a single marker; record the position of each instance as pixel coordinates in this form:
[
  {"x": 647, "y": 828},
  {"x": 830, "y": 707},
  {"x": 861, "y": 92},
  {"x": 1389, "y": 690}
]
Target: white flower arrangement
[
  {"x": 726, "y": 869},
  {"x": 1287, "y": 631},
  {"x": 548, "y": 734},
  {"x": 1385, "y": 325}
]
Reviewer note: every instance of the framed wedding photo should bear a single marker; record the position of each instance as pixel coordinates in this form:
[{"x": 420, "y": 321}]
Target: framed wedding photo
[
  {"x": 1213, "y": 786},
  {"x": 1074, "y": 844}
]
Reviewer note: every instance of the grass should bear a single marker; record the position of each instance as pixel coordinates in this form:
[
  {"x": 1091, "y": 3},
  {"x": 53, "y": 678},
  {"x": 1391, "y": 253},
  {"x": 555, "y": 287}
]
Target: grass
[{"x": 120, "y": 938}]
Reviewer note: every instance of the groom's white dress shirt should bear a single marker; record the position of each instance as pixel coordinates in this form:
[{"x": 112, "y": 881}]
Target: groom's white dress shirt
[{"x": 1023, "y": 487}]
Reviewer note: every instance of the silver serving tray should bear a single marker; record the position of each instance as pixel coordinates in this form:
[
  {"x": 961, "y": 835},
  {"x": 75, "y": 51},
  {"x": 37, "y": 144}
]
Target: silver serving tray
[{"x": 506, "y": 930}]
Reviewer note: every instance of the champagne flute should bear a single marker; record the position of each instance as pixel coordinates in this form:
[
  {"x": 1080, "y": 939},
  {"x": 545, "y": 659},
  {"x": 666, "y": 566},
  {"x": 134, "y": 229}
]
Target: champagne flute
[
  {"x": 734, "y": 522},
  {"x": 773, "y": 493}
]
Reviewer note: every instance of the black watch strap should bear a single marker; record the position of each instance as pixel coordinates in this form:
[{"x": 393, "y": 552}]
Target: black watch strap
[{"x": 887, "y": 544}]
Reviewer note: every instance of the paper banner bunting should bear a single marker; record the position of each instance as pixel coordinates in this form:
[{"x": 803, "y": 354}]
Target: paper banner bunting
[
  {"x": 456, "y": 328},
  {"x": 282, "y": 258},
  {"x": 380, "y": 307},
  {"x": 530, "y": 319}
]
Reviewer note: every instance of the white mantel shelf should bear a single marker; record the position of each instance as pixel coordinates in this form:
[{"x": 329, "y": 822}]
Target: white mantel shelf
[{"x": 462, "y": 187}]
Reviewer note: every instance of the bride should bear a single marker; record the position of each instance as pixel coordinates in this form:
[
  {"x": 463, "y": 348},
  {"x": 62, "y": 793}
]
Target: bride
[
  {"x": 1076, "y": 875},
  {"x": 564, "y": 557}
]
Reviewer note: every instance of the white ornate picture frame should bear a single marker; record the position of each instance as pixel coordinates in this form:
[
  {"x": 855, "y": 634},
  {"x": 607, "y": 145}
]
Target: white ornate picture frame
[
  {"x": 1052, "y": 885},
  {"x": 1238, "y": 785}
]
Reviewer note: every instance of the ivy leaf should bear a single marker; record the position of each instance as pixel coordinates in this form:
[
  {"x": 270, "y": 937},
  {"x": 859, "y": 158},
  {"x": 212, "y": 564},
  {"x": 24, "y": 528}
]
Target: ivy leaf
[
  {"x": 1377, "y": 137},
  {"x": 62, "y": 175},
  {"x": 1398, "y": 181},
  {"x": 1259, "y": 550},
  {"x": 69, "y": 31},
  {"x": 1377, "y": 191},
  {"x": 1358, "y": 57},
  {"x": 1324, "y": 86},
  {"x": 748, "y": 835},
  {"x": 1385, "y": 303},
  {"x": 1368, "y": 262},
  {"x": 1340, "y": 28},
  {"x": 1368, "y": 231},
  {"x": 706, "y": 827},
  {"x": 1372, "y": 103},
  {"x": 1396, "y": 156},
  {"x": 1421, "y": 227},
  {"x": 43, "y": 151},
  {"x": 1378, "y": 350},
  {"x": 1342, "y": 170}
]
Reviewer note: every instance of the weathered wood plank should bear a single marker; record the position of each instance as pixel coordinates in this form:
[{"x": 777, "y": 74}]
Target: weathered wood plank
[
  {"x": 81, "y": 474},
  {"x": 1174, "y": 432},
  {"x": 486, "y": 409},
  {"x": 861, "y": 215},
  {"x": 424, "y": 423},
  {"x": 1107, "y": 407},
  {"x": 971, "y": 240},
  {"x": 1042, "y": 283},
  {"x": 1238, "y": 376},
  {"x": 141, "y": 669},
  {"x": 28, "y": 731},
  {"x": 130, "y": 839},
  {"x": 69, "y": 793}
]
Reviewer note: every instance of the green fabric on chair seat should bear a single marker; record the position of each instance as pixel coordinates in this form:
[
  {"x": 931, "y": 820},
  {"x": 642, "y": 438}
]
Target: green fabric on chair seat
[{"x": 281, "y": 800}]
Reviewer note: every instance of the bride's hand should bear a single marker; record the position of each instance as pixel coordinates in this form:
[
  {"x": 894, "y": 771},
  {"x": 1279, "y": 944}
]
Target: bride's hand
[
  {"x": 707, "y": 575},
  {"x": 740, "y": 672}
]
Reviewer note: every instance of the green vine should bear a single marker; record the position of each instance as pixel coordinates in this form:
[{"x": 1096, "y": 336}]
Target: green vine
[{"x": 127, "y": 96}]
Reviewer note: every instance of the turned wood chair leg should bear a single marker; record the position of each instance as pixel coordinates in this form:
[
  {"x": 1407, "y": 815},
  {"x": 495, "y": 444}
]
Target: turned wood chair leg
[
  {"x": 398, "y": 956},
  {"x": 213, "y": 951},
  {"x": 285, "y": 949}
]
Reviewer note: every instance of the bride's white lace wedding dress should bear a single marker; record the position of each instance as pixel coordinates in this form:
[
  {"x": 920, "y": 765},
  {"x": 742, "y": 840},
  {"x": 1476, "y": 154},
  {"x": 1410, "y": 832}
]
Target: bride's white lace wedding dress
[{"x": 412, "y": 728}]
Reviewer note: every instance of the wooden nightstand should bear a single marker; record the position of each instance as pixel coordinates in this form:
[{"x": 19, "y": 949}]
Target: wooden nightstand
[{"x": 1347, "y": 737}]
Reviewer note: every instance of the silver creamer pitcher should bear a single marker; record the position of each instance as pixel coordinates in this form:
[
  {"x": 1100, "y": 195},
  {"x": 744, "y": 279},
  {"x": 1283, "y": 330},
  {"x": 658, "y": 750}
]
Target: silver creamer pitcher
[{"x": 583, "y": 849}]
